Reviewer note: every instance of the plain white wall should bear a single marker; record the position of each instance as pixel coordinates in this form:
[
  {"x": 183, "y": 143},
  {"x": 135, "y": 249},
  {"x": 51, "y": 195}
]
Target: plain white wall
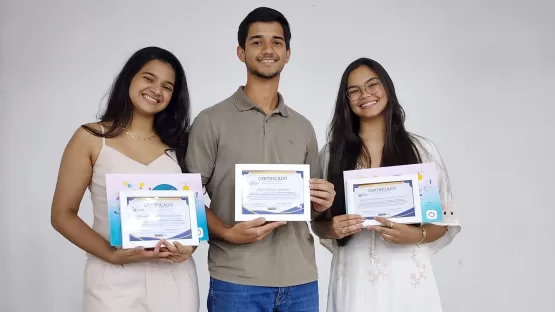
[{"x": 472, "y": 76}]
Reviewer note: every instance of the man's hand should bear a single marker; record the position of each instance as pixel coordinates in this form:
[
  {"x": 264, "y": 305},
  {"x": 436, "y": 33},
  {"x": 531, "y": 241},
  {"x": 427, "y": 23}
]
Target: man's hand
[
  {"x": 250, "y": 231},
  {"x": 322, "y": 194},
  {"x": 345, "y": 225}
]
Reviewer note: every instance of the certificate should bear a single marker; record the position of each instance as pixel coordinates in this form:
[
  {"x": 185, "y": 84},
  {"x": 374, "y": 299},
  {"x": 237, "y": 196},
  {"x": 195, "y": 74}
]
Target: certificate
[
  {"x": 150, "y": 216},
  {"x": 115, "y": 183},
  {"x": 396, "y": 198},
  {"x": 275, "y": 192},
  {"x": 431, "y": 206}
]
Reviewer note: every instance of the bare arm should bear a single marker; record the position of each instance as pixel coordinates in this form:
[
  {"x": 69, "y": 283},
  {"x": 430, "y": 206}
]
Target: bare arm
[
  {"x": 407, "y": 234},
  {"x": 215, "y": 225},
  {"x": 73, "y": 178},
  {"x": 433, "y": 232},
  {"x": 321, "y": 227}
]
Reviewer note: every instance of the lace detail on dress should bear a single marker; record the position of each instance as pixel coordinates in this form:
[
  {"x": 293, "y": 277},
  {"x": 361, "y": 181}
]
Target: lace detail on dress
[
  {"x": 379, "y": 269},
  {"x": 420, "y": 273}
]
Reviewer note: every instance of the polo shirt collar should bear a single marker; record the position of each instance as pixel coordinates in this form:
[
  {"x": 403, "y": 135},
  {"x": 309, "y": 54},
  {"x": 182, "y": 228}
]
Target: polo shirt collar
[{"x": 243, "y": 103}]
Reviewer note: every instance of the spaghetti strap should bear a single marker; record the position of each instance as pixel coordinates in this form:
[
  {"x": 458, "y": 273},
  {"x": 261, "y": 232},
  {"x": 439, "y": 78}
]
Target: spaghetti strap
[{"x": 103, "y": 138}]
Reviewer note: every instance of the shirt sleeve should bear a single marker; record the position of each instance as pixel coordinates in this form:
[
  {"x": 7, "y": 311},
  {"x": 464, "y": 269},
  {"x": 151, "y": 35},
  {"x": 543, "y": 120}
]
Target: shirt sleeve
[{"x": 202, "y": 149}]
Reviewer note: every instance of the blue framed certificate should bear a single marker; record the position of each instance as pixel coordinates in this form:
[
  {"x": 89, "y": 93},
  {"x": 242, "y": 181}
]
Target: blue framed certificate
[
  {"x": 276, "y": 192},
  {"x": 396, "y": 198},
  {"x": 150, "y": 216}
]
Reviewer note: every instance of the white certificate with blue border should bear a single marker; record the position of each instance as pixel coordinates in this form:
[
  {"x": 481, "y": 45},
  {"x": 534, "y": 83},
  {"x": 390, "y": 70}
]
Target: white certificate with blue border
[
  {"x": 150, "y": 216},
  {"x": 276, "y": 192},
  {"x": 396, "y": 198}
]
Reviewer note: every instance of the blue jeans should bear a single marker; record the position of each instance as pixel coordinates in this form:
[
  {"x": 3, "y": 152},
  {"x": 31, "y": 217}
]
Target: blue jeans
[{"x": 229, "y": 297}]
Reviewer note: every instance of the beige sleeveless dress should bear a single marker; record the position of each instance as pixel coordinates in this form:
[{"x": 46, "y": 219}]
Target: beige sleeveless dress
[{"x": 142, "y": 286}]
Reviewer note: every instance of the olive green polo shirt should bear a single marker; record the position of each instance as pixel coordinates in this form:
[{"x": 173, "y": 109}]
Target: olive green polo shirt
[{"x": 237, "y": 131}]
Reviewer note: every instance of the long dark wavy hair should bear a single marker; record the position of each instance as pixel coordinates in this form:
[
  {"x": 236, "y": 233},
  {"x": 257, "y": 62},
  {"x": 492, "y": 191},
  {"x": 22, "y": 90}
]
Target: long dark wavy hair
[
  {"x": 172, "y": 124},
  {"x": 345, "y": 145}
]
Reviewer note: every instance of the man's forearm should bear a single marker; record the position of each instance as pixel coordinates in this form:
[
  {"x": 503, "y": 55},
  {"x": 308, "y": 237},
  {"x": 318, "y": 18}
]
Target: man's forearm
[
  {"x": 313, "y": 213},
  {"x": 321, "y": 228},
  {"x": 215, "y": 226}
]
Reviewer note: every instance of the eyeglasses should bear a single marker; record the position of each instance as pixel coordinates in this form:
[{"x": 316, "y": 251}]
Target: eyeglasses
[{"x": 371, "y": 86}]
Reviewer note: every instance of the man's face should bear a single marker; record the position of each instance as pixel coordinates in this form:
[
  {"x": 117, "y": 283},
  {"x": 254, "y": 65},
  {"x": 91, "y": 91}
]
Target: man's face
[{"x": 265, "y": 53}]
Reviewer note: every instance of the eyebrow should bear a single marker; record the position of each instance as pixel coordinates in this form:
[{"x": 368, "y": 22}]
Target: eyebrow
[
  {"x": 260, "y": 37},
  {"x": 153, "y": 75},
  {"x": 367, "y": 81}
]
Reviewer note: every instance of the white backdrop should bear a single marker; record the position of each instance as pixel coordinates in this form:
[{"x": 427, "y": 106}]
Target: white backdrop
[{"x": 472, "y": 76}]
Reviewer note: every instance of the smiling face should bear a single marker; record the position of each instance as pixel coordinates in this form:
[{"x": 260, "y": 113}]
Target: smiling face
[
  {"x": 265, "y": 52},
  {"x": 366, "y": 94},
  {"x": 152, "y": 87}
]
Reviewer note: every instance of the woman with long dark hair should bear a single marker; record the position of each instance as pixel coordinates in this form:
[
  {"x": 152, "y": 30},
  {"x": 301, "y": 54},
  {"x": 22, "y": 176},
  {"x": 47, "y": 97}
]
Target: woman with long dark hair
[
  {"x": 144, "y": 129},
  {"x": 382, "y": 268}
]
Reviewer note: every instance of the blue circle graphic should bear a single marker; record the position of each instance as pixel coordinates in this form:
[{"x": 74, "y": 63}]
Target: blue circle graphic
[{"x": 164, "y": 187}]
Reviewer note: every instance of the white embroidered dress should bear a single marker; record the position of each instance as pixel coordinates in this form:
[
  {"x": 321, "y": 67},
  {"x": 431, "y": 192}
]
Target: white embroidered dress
[{"x": 370, "y": 274}]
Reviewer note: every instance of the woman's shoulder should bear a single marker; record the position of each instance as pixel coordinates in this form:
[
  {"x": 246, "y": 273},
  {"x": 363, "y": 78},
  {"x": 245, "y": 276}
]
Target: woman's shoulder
[
  {"x": 96, "y": 126},
  {"x": 90, "y": 132},
  {"x": 88, "y": 136},
  {"x": 427, "y": 149}
]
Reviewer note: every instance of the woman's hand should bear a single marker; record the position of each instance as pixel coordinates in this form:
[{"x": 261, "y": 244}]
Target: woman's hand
[
  {"x": 397, "y": 233},
  {"x": 138, "y": 254},
  {"x": 345, "y": 225},
  {"x": 179, "y": 252}
]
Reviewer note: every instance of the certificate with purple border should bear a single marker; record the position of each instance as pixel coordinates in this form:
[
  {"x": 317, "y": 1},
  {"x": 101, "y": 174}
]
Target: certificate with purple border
[
  {"x": 150, "y": 216},
  {"x": 277, "y": 192},
  {"x": 396, "y": 198},
  {"x": 431, "y": 206}
]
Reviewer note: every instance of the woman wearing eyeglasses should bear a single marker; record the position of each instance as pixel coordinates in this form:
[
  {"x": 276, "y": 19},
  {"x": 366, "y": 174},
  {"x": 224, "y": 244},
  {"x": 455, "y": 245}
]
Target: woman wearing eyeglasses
[{"x": 387, "y": 267}]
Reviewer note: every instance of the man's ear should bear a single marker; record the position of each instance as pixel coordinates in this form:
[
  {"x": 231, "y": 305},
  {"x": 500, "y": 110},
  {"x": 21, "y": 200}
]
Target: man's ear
[
  {"x": 288, "y": 56},
  {"x": 241, "y": 53}
]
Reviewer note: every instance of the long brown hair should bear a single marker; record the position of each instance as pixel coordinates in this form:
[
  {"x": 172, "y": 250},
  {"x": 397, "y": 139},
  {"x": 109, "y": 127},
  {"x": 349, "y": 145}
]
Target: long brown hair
[{"x": 345, "y": 145}]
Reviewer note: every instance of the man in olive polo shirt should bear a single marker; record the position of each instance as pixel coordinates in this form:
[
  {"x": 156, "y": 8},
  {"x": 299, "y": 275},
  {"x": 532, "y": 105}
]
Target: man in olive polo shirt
[{"x": 254, "y": 265}]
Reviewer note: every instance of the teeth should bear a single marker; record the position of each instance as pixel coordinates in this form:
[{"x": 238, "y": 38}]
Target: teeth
[
  {"x": 268, "y": 61},
  {"x": 148, "y": 98},
  {"x": 369, "y": 104}
]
